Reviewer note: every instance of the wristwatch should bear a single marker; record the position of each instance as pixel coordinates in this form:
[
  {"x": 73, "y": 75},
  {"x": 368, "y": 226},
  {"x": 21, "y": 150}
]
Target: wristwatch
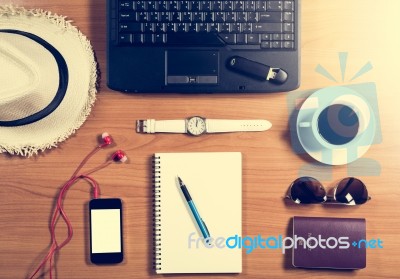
[{"x": 197, "y": 125}]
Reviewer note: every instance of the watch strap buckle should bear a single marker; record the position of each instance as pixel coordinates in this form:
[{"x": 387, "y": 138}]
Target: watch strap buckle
[{"x": 145, "y": 126}]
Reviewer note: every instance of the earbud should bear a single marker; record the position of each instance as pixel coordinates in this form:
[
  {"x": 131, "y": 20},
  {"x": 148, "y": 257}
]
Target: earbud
[
  {"x": 119, "y": 156},
  {"x": 107, "y": 139}
]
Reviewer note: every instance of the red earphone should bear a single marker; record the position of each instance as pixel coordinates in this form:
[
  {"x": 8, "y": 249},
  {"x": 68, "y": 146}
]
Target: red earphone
[
  {"x": 117, "y": 156},
  {"x": 107, "y": 139}
]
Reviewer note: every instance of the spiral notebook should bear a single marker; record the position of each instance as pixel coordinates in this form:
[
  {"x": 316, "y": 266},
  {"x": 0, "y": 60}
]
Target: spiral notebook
[{"x": 214, "y": 180}]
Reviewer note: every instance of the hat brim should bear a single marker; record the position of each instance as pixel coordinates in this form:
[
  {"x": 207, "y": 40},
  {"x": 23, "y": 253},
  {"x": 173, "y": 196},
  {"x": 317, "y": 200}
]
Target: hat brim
[{"x": 77, "y": 51}]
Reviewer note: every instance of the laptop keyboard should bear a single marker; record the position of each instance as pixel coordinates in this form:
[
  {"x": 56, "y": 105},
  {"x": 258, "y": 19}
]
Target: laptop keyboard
[{"x": 242, "y": 24}]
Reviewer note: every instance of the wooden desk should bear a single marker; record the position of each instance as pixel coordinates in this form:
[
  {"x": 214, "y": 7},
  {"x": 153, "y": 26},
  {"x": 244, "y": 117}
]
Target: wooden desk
[{"x": 367, "y": 30}]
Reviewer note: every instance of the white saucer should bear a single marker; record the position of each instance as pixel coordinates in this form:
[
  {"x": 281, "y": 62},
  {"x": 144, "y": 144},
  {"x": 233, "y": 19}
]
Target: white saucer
[{"x": 315, "y": 145}]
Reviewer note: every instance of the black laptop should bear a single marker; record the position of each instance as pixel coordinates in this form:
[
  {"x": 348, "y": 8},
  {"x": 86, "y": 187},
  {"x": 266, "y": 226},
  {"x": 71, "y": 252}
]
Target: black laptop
[{"x": 203, "y": 46}]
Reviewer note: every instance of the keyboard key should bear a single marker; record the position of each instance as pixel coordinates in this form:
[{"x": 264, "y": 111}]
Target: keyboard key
[
  {"x": 191, "y": 27},
  {"x": 252, "y": 17},
  {"x": 276, "y": 37},
  {"x": 274, "y": 6},
  {"x": 219, "y": 17},
  {"x": 152, "y": 6},
  {"x": 160, "y": 27},
  {"x": 196, "y": 39},
  {"x": 212, "y": 27},
  {"x": 217, "y": 6},
  {"x": 176, "y": 17},
  {"x": 174, "y": 6},
  {"x": 267, "y": 27},
  {"x": 127, "y": 16},
  {"x": 181, "y": 27},
  {"x": 238, "y": 6},
  {"x": 197, "y": 17},
  {"x": 170, "y": 27},
  {"x": 265, "y": 37},
  {"x": 208, "y": 17},
  {"x": 241, "y": 39},
  {"x": 270, "y": 17},
  {"x": 227, "y": 6},
  {"x": 195, "y": 6},
  {"x": 126, "y": 5},
  {"x": 143, "y": 17},
  {"x": 288, "y": 16},
  {"x": 250, "y": 6},
  {"x": 288, "y": 5},
  {"x": 288, "y": 44},
  {"x": 165, "y": 16},
  {"x": 186, "y": 17},
  {"x": 288, "y": 27},
  {"x": 148, "y": 27},
  {"x": 230, "y": 17},
  {"x": 154, "y": 17},
  {"x": 159, "y": 38},
  {"x": 261, "y": 6},
  {"x": 140, "y": 6},
  {"x": 223, "y": 27},
  {"x": 137, "y": 39},
  {"x": 288, "y": 37},
  {"x": 265, "y": 44},
  {"x": 125, "y": 39},
  {"x": 148, "y": 38},
  {"x": 253, "y": 39},
  {"x": 201, "y": 27},
  {"x": 241, "y": 17},
  {"x": 235, "y": 27},
  {"x": 185, "y": 6},
  {"x": 162, "y": 6},
  {"x": 228, "y": 38},
  {"x": 205, "y": 6},
  {"x": 276, "y": 44},
  {"x": 247, "y": 27},
  {"x": 131, "y": 27}
]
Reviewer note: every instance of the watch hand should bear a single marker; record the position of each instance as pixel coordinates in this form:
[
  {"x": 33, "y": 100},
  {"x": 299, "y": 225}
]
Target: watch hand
[{"x": 197, "y": 121}]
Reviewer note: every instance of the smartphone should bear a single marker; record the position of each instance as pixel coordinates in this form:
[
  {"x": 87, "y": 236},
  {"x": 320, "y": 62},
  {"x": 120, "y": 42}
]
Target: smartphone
[{"x": 106, "y": 231}]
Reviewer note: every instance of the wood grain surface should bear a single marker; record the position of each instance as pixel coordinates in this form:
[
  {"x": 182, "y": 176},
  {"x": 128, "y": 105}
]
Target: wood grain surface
[{"x": 368, "y": 30}]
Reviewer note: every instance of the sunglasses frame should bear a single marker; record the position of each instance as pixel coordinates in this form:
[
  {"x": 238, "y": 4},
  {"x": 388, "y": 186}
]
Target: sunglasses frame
[{"x": 328, "y": 199}]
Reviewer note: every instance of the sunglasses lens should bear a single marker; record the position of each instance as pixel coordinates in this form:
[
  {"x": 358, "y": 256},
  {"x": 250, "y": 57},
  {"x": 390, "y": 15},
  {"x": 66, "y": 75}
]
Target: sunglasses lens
[
  {"x": 307, "y": 190},
  {"x": 352, "y": 191}
]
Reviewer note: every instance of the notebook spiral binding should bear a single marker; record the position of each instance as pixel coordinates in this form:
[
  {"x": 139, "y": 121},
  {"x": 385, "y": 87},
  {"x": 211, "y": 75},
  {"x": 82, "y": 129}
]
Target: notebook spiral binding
[{"x": 156, "y": 213}]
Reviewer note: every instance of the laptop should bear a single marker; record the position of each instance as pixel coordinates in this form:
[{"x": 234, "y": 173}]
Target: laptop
[{"x": 203, "y": 46}]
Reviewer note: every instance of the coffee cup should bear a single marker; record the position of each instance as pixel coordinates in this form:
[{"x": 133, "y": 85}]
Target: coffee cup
[{"x": 335, "y": 125}]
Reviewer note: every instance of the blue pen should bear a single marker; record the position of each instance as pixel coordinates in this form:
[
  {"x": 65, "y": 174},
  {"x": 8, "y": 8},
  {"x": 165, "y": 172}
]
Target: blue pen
[{"x": 199, "y": 221}]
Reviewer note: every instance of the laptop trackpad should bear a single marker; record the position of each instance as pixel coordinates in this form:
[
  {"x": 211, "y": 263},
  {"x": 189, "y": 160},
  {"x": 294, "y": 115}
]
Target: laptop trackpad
[{"x": 195, "y": 67}]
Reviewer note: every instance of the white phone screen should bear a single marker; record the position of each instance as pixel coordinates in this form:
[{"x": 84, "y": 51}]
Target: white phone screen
[{"x": 106, "y": 230}]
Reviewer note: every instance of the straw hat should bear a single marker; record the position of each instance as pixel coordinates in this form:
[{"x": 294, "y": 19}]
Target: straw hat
[{"x": 48, "y": 80}]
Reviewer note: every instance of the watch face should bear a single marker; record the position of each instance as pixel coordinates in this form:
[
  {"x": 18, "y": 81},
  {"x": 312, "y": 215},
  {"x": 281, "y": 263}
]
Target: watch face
[{"x": 196, "y": 126}]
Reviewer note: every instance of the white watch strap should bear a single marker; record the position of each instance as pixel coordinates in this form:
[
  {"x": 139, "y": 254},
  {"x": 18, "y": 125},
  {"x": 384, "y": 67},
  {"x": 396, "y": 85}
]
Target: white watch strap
[
  {"x": 152, "y": 126},
  {"x": 225, "y": 125}
]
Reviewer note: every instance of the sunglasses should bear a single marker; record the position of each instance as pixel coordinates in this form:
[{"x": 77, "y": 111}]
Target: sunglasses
[{"x": 307, "y": 190}]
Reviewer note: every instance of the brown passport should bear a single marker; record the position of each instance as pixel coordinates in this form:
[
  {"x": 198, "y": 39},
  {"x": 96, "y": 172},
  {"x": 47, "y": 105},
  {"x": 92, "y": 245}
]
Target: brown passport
[{"x": 336, "y": 243}]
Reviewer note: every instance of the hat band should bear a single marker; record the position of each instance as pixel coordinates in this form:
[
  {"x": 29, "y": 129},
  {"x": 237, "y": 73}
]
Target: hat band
[{"x": 62, "y": 86}]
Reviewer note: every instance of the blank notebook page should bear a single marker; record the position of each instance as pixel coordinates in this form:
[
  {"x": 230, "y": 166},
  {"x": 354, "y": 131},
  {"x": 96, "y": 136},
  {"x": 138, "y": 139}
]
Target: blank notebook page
[{"x": 214, "y": 181}]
